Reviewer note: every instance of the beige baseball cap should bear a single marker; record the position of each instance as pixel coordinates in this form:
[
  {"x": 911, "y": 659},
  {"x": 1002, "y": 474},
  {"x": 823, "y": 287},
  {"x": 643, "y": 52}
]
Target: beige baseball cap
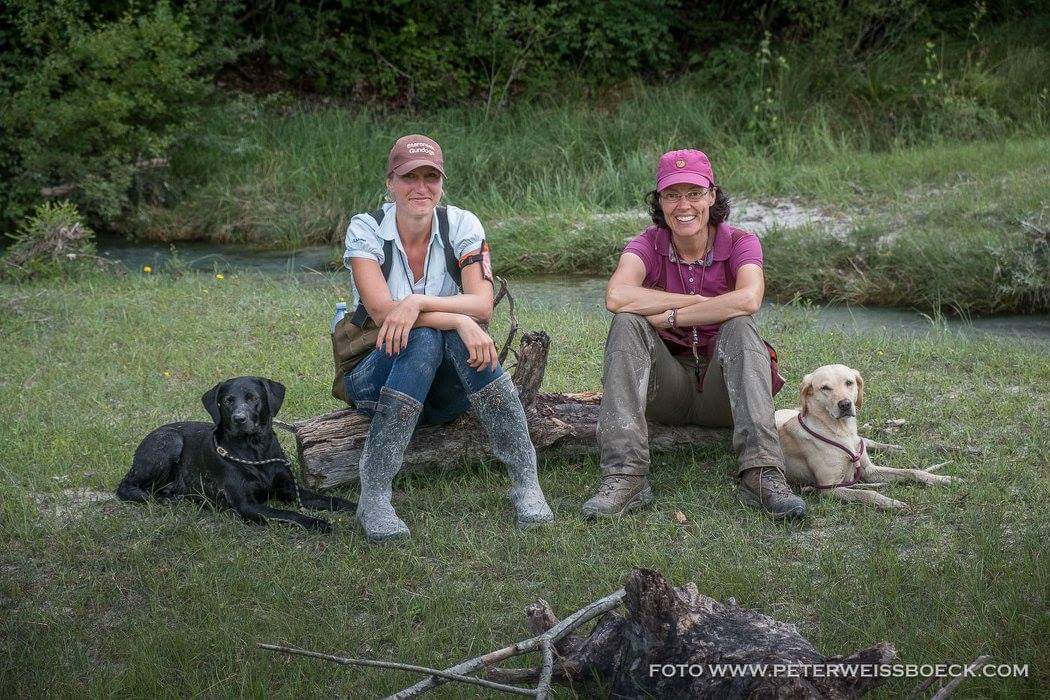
[{"x": 413, "y": 151}]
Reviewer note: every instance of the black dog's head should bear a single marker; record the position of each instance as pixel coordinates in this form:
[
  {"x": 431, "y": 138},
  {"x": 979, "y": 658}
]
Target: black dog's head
[{"x": 244, "y": 405}]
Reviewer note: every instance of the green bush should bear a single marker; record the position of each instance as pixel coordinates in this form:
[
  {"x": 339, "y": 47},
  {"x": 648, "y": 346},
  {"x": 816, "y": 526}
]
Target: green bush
[
  {"x": 53, "y": 241},
  {"x": 91, "y": 114}
]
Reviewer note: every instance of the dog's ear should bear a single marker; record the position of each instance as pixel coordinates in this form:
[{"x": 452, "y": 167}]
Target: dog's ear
[
  {"x": 211, "y": 402},
  {"x": 807, "y": 389},
  {"x": 274, "y": 394},
  {"x": 860, "y": 388}
]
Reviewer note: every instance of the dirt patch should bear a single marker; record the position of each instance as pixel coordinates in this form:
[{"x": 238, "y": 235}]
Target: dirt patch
[
  {"x": 759, "y": 217},
  {"x": 71, "y": 504},
  {"x": 756, "y": 216}
]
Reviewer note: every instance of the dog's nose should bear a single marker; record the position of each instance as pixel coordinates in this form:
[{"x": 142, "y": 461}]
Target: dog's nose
[
  {"x": 845, "y": 406},
  {"x": 239, "y": 417}
]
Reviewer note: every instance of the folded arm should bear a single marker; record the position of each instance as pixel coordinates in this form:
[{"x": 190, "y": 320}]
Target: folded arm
[
  {"x": 625, "y": 291},
  {"x": 745, "y": 300},
  {"x": 475, "y": 301},
  {"x": 460, "y": 312}
]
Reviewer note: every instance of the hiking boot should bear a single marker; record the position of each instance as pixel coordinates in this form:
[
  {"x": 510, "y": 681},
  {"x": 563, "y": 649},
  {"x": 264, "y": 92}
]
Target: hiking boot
[
  {"x": 498, "y": 408},
  {"x": 766, "y": 489},
  {"x": 618, "y": 494},
  {"x": 391, "y": 429}
]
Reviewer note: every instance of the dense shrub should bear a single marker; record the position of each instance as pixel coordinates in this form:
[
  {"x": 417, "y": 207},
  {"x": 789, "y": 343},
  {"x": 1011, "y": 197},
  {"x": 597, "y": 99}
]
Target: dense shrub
[{"x": 91, "y": 105}]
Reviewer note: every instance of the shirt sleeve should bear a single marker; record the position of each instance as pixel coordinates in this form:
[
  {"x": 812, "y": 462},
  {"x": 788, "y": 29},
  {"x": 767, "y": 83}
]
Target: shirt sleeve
[
  {"x": 641, "y": 246},
  {"x": 746, "y": 251},
  {"x": 467, "y": 234},
  {"x": 362, "y": 241}
]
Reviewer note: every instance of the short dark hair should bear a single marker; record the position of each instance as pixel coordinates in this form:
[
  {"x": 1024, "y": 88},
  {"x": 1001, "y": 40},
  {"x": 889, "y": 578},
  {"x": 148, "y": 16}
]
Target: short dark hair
[{"x": 718, "y": 213}]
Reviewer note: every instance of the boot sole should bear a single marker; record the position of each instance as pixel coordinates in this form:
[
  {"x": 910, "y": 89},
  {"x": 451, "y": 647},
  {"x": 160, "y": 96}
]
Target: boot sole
[
  {"x": 640, "y": 500},
  {"x": 748, "y": 498},
  {"x": 388, "y": 538}
]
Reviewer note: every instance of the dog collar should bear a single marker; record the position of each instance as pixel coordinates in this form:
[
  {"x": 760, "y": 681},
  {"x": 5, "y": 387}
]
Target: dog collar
[
  {"x": 225, "y": 454},
  {"x": 854, "y": 458}
]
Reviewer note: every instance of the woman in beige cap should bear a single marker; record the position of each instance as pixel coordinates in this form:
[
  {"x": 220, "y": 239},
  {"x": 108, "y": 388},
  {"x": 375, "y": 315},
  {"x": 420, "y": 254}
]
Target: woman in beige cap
[{"x": 422, "y": 273}]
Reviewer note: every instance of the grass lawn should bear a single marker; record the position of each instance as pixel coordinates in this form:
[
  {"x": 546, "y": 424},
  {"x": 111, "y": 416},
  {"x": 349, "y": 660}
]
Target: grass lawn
[{"x": 113, "y": 599}]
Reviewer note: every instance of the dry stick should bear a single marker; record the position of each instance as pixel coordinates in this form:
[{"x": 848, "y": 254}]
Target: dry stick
[
  {"x": 960, "y": 679},
  {"x": 543, "y": 688},
  {"x": 504, "y": 291},
  {"x": 552, "y": 636},
  {"x": 402, "y": 667}
]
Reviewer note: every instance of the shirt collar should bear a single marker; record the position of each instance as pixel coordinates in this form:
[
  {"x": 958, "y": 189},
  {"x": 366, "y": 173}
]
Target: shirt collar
[
  {"x": 388, "y": 228},
  {"x": 721, "y": 250}
]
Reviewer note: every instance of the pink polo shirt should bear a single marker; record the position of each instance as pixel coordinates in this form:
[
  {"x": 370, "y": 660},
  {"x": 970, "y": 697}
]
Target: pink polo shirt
[{"x": 733, "y": 248}]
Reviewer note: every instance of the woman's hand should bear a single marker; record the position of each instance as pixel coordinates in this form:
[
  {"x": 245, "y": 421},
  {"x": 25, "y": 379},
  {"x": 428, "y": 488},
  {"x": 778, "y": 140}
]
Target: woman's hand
[
  {"x": 393, "y": 334},
  {"x": 479, "y": 344}
]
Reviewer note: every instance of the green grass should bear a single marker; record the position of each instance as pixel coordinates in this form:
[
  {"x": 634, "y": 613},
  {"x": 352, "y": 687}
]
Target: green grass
[{"x": 159, "y": 600}]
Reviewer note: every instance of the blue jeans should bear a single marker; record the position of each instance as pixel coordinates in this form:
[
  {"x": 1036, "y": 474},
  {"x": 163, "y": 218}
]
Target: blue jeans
[{"x": 432, "y": 369}]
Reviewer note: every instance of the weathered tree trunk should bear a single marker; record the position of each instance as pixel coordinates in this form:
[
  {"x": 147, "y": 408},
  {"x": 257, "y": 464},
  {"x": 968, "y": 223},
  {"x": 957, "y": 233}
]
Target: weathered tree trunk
[
  {"x": 626, "y": 656},
  {"x": 330, "y": 445}
]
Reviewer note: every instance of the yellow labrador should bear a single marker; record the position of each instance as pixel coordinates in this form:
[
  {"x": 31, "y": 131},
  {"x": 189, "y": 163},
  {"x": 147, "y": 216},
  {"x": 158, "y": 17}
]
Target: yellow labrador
[{"x": 822, "y": 449}]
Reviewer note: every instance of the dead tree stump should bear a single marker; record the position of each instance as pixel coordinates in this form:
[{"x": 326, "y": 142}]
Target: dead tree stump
[
  {"x": 329, "y": 445},
  {"x": 626, "y": 656}
]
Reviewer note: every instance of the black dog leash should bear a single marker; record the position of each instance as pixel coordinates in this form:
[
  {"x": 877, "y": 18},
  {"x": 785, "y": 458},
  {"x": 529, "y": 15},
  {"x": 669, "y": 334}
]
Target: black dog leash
[{"x": 225, "y": 454}]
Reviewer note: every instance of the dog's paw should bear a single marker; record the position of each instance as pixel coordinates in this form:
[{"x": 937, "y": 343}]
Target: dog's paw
[{"x": 887, "y": 503}]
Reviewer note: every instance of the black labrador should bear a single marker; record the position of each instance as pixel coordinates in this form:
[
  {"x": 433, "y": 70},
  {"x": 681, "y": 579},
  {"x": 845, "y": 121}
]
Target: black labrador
[{"x": 235, "y": 463}]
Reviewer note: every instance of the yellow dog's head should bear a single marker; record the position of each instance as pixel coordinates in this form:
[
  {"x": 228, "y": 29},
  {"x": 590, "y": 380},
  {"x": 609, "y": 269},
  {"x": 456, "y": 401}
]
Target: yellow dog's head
[{"x": 835, "y": 390}]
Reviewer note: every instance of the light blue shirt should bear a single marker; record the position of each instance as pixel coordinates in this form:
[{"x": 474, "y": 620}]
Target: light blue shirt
[{"x": 364, "y": 240}]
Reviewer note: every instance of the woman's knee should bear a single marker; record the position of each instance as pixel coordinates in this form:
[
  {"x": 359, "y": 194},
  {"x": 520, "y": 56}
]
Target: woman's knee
[
  {"x": 740, "y": 331},
  {"x": 629, "y": 331},
  {"x": 425, "y": 342}
]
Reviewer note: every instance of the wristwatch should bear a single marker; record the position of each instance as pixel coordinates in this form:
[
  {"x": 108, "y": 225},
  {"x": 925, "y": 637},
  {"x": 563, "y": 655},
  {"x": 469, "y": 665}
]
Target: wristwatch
[{"x": 672, "y": 318}]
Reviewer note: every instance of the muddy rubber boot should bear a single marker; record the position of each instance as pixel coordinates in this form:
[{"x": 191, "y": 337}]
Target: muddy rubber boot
[
  {"x": 394, "y": 420},
  {"x": 498, "y": 408},
  {"x": 618, "y": 494},
  {"x": 766, "y": 489}
]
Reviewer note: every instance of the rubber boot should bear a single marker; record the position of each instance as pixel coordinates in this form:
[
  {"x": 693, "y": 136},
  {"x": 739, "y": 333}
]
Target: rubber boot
[
  {"x": 499, "y": 410},
  {"x": 394, "y": 420}
]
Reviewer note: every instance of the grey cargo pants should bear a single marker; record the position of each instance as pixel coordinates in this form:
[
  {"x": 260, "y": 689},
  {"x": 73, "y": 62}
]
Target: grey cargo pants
[{"x": 642, "y": 380}]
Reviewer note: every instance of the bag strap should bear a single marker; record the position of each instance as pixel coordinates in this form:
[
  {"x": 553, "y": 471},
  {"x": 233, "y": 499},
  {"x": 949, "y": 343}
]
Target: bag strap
[
  {"x": 360, "y": 313},
  {"x": 451, "y": 264}
]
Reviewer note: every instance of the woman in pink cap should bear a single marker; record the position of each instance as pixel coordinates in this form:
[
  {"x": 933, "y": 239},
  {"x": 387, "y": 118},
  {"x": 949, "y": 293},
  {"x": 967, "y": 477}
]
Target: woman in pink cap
[
  {"x": 421, "y": 271},
  {"x": 683, "y": 348}
]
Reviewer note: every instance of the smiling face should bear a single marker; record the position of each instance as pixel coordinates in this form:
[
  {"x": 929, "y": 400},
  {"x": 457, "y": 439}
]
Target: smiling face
[
  {"x": 835, "y": 391},
  {"x": 687, "y": 209},
  {"x": 417, "y": 192}
]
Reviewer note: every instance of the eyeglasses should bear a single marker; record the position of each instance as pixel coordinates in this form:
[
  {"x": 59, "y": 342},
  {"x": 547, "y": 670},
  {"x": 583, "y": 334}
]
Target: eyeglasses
[{"x": 694, "y": 196}]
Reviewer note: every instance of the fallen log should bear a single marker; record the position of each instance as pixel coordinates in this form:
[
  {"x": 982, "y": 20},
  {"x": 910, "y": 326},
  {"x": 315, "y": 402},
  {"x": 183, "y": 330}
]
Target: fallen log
[
  {"x": 329, "y": 446},
  {"x": 667, "y": 644}
]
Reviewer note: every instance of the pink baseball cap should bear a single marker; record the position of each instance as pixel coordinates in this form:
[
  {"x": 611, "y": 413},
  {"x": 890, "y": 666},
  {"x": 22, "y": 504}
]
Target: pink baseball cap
[
  {"x": 689, "y": 166},
  {"x": 412, "y": 151}
]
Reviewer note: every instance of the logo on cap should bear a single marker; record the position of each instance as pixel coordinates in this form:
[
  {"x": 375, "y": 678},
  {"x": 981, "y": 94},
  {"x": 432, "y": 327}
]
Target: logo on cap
[{"x": 679, "y": 163}]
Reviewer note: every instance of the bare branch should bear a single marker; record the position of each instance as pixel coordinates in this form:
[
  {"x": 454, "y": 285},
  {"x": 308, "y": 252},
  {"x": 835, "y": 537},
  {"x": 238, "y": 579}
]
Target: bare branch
[
  {"x": 400, "y": 667},
  {"x": 954, "y": 683},
  {"x": 553, "y": 635}
]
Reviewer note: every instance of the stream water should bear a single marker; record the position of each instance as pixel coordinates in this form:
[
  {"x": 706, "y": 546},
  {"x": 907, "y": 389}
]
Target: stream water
[{"x": 555, "y": 291}]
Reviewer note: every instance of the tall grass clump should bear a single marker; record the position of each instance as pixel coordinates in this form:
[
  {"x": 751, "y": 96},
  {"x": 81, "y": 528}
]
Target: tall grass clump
[{"x": 53, "y": 242}]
